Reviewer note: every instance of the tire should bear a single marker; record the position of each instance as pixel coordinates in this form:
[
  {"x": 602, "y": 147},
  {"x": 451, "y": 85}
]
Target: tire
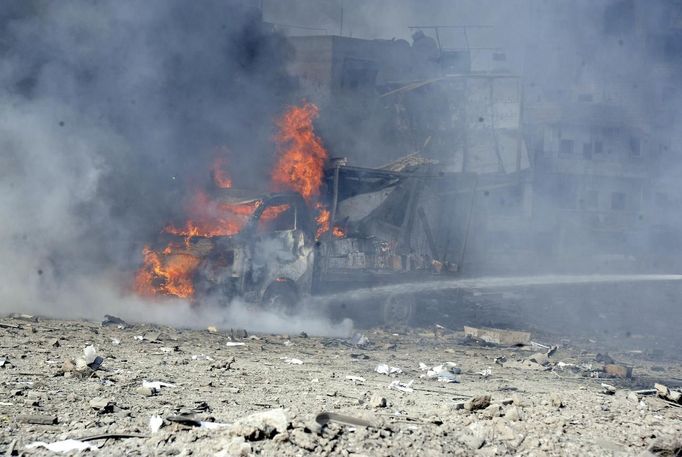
[
  {"x": 280, "y": 298},
  {"x": 398, "y": 310}
]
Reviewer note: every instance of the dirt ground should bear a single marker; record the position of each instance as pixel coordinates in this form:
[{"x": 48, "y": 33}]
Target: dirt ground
[{"x": 539, "y": 404}]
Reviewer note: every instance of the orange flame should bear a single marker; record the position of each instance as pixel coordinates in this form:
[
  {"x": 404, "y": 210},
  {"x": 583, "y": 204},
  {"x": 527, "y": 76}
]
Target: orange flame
[
  {"x": 210, "y": 218},
  {"x": 300, "y": 166},
  {"x": 323, "y": 220},
  {"x": 174, "y": 276},
  {"x": 338, "y": 232}
]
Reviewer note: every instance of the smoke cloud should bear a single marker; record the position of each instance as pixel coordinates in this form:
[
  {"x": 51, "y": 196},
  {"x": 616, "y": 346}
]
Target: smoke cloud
[{"x": 111, "y": 115}]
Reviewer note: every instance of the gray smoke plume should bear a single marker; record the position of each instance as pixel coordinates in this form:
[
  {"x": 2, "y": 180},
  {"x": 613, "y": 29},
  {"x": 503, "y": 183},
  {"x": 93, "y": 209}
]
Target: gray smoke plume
[{"x": 111, "y": 113}]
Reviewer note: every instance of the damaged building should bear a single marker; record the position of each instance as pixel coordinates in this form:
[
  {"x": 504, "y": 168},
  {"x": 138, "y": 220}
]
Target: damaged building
[{"x": 516, "y": 175}]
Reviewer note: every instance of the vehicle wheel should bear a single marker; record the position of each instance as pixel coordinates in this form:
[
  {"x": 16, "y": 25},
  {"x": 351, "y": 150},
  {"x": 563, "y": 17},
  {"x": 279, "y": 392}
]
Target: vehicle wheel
[
  {"x": 398, "y": 310},
  {"x": 280, "y": 298}
]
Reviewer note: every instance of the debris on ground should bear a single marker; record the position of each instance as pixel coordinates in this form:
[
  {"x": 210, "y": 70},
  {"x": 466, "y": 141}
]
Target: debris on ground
[
  {"x": 327, "y": 417},
  {"x": 377, "y": 401},
  {"x": 355, "y": 379},
  {"x": 476, "y": 403},
  {"x": 39, "y": 419},
  {"x": 62, "y": 446},
  {"x": 263, "y": 425},
  {"x": 666, "y": 393},
  {"x": 359, "y": 340},
  {"x": 445, "y": 372},
  {"x": 158, "y": 396},
  {"x": 113, "y": 320},
  {"x": 292, "y": 361},
  {"x": 230, "y": 344},
  {"x": 401, "y": 386},
  {"x": 155, "y": 385},
  {"x": 383, "y": 368},
  {"x": 498, "y": 336}
]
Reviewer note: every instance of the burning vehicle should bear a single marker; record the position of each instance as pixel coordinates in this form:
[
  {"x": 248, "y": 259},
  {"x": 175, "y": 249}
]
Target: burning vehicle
[{"x": 325, "y": 227}]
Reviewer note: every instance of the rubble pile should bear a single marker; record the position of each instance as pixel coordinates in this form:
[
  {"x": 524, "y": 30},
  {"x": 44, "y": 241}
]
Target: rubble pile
[{"x": 129, "y": 389}]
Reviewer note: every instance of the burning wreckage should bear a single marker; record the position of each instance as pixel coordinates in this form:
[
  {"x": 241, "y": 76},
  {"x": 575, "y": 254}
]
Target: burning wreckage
[{"x": 275, "y": 248}]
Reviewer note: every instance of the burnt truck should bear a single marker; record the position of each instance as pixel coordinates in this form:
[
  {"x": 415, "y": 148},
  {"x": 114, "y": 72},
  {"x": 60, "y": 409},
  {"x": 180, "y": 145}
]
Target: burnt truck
[{"x": 278, "y": 256}]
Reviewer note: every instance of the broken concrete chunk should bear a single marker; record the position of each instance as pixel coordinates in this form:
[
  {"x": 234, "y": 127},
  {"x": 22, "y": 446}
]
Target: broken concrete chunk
[
  {"x": 146, "y": 391},
  {"x": 445, "y": 372},
  {"x": 303, "y": 440},
  {"x": 89, "y": 354},
  {"x": 493, "y": 410},
  {"x": 513, "y": 413},
  {"x": 263, "y": 425},
  {"x": 498, "y": 336},
  {"x": 102, "y": 405},
  {"x": 113, "y": 320},
  {"x": 608, "y": 389},
  {"x": 555, "y": 400},
  {"x": 38, "y": 419},
  {"x": 671, "y": 395},
  {"x": 476, "y": 403},
  {"x": 540, "y": 358},
  {"x": 377, "y": 401},
  {"x": 237, "y": 447}
]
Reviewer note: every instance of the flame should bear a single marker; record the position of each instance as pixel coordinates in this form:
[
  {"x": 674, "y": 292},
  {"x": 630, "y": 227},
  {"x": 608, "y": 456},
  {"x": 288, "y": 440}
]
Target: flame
[
  {"x": 174, "y": 275},
  {"x": 210, "y": 218},
  {"x": 301, "y": 156},
  {"x": 299, "y": 168},
  {"x": 338, "y": 232},
  {"x": 323, "y": 220}
]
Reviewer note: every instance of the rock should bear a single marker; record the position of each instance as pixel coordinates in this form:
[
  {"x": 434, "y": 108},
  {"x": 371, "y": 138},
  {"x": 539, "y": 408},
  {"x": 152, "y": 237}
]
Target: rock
[
  {"x": 146, "y": 391},
  {"x": 540, "y": 358},
  {"x": 303, "y": 440},
  {"x": 666, "y": 445},
  {"x": 493, "y": 410},
  {"x": 503, "y": 431},
  {"x": 39, "y": 419},
  {"x": 476, "y": 403},
  {"x": 513, "y": 413},
  {"x": 262, "y": 425},
  {"x": 555, "y": 400},
  {"x": 633, "y": 397},
  {"x": 89, "y": 354},
  {"x": 237, "y": 447},
  {"x": 377, "y": 401},
  {"x": 102, "y": 405},
  {"x": 68, "y": 366},
  {"x": 81, "y": 364},
  {"x": 664, "y": 392},
  {"x": 113, "y": 320}
]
